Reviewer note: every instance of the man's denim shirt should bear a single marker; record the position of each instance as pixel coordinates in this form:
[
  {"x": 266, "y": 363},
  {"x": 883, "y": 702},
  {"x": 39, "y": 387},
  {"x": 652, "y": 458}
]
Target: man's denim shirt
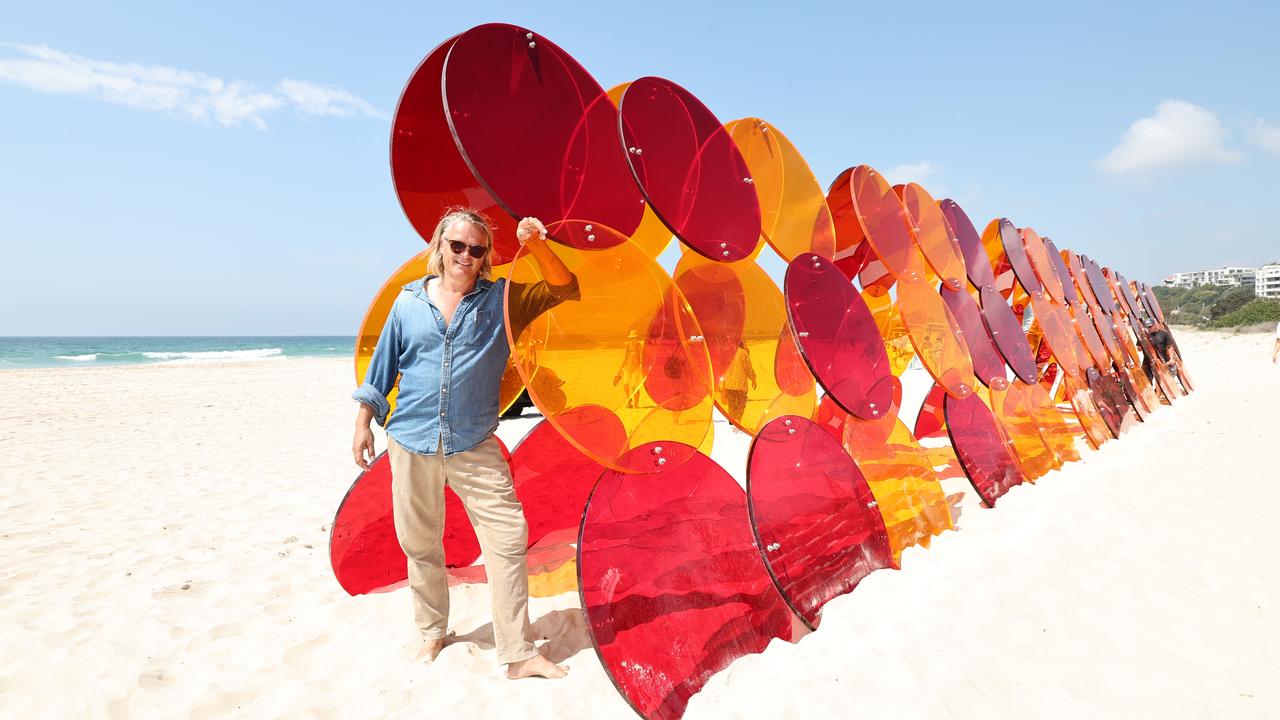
[{"x": 449, "y": 374}]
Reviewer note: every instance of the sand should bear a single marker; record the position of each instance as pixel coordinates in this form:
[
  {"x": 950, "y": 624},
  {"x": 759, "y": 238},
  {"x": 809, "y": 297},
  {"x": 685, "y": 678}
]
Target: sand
[{"x": 163, "y": 553}]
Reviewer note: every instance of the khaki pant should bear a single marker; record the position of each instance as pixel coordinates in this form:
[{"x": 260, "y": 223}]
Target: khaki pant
[{"x": 481, "y": 478}]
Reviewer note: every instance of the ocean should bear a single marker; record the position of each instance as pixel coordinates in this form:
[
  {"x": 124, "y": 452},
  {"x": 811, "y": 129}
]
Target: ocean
[{"x": 44, "y": 352}]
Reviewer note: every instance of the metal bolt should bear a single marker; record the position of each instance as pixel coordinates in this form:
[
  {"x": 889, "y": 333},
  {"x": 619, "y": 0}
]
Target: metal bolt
[
  {"x": 587, "y": 228},
  {"x": 791, "y": 431},
  {"x": 787, "y": 422},
  {"x": 657, "y": 450},
  {"x": 724, "y": 245},
  {"x": 803, "y": 333},
  {"x": 591, "y": 238},
  {"x": 528, "y": 36},
  {"x": 631, "y": 150},
  {"x": 725, "y": 253},
  {"x": 639, "y": 151},
  {"x": 662, "y": 461},
  {"x": 532, "y": 44}
]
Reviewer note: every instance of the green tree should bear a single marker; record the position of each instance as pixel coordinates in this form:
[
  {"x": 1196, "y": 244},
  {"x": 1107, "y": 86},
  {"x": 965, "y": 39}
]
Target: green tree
[
  {"x": 1234, "y": 299},
  {"x": 1260, "y": 310}
]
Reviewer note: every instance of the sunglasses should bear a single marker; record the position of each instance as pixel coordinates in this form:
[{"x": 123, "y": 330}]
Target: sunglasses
[{"x": 458, "y": 247}]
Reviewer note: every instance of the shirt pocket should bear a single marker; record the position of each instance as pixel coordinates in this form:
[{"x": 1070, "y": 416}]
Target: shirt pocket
[{"x": 480, "y": 328}]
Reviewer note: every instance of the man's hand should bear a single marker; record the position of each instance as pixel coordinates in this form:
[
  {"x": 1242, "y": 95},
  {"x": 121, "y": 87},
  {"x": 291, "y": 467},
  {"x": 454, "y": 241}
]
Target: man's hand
[
  {"x": 362, "y": 447},
  {"x": 529, "y": 229}
]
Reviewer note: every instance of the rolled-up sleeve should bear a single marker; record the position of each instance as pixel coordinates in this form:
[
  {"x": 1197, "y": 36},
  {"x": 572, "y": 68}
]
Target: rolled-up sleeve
[
  {"x": 530, "y": 301},
  {"x": 383, "y": 370}
]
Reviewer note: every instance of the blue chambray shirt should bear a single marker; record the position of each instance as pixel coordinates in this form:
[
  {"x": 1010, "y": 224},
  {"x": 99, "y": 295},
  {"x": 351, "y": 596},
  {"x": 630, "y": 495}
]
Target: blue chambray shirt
[{"x": 449, "y": 374}]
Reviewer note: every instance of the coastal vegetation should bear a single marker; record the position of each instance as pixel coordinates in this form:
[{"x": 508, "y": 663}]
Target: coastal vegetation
[{"x": 1211, "y": 306}]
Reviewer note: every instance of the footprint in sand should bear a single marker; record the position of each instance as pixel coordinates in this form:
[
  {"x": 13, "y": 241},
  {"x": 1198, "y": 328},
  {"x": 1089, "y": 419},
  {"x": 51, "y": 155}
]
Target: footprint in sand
[
  {"x": 179, "y": 589},
  {"x": 225, "y": 630},
  {"x": 469, "y": 657},
  {"x": 299, "y": 657},
  {"x": 157, "y": 680}
]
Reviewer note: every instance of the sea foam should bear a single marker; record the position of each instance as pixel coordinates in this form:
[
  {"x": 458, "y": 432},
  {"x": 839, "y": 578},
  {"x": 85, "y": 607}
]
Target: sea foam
[{"x": 258, "y": 354}]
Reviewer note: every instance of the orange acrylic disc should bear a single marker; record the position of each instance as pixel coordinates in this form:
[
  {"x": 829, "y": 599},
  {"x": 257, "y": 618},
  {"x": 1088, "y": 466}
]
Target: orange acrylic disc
[
  {"x": 934, "y": 332},
  {"x": 1052, "y": 427},
  {"x": 888, "y": 317},
  {"x": 934, "y": 236},
  {"x": 625, "y": 364},
  {"x": 1086, "y": 411},
  {"x": 1016, "y": 415},
  {"x": 902, "y": 479},
  {"x": 1076, "y": 269},
  {"x": 1038, "y": 255},
  {"x": 844, "y": 216},
  {"x": 993, "y": 243},
  {"x": 794, "y": 218},
  {"x": 1103, "y": 326},
  {"x": 1096, "y": 352},
  {"x": 1058, "y": 333},
  {"x": 883, "y": 218},
  {"x": 1057, "y": 261},
  {"x": 744, "y": 319},
  {"x": 1015, "y": 253},
  {"x": 976, "y": 262}
]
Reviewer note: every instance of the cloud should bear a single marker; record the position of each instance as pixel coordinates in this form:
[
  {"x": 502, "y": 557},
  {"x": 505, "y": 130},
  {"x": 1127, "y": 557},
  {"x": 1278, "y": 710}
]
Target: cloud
[
  {"x": 1179, "y": 134},
  {"x": 185, "y": 93},
  {"x": 313, "y": 99},
  {"x": 1266, "y": 136},
  {"x": 910, "y": 172}
]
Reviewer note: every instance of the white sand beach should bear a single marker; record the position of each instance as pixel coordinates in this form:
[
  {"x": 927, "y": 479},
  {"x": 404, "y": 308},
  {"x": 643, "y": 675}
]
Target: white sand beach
[{"x": 164, "y": 553}]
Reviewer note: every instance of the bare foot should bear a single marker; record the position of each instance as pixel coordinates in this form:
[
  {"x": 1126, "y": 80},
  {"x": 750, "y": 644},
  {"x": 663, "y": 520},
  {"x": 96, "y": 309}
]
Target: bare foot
[
  {"x": 430, "y": 649},
  {"x": 536, "y": 666}
]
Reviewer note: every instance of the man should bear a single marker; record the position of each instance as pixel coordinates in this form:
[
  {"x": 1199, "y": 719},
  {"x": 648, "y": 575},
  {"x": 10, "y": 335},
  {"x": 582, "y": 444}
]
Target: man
[
  {"x": 445, "y": 340},
  {"x": 1161, "y": 341},
  {"x": 1275, "y": 348}
]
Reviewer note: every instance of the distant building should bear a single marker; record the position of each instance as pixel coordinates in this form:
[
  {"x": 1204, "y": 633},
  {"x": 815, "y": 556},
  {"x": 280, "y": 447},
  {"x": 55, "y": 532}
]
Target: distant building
[
  {"x": 1226, "y": 277},
  {"x": 1267, "y": 281}
]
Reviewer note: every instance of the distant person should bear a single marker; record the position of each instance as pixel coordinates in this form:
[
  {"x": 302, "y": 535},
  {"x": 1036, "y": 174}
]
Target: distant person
[
  {"x": 1160, "y": 341},
  {"x": 445, "y": 340},
  {"x": 631, "y": 372},
  {"x": 733, "y": 384},
  {"x": 1275, "y": 347}
]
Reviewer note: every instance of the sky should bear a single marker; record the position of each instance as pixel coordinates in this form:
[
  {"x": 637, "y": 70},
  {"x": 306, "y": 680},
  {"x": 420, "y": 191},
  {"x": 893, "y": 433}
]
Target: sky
[{"x": 222, "y": 168}]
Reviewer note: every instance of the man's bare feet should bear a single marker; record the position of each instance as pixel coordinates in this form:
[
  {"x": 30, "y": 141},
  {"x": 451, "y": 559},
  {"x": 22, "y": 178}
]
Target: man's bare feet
[
  {"x": 430, "y": 649},
  {"x": 536, "y": 666}
]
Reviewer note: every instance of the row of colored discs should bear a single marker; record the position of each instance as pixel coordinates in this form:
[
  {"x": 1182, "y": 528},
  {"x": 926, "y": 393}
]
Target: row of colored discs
[{"x": 680, "y": 568}]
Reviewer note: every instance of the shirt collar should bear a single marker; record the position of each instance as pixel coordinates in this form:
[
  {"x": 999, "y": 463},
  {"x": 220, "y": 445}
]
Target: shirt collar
[{"x": 419, "y": 287}]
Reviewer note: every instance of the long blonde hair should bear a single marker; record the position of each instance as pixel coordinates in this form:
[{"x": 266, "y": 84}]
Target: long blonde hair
[{"x": 435, "y": 261}]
